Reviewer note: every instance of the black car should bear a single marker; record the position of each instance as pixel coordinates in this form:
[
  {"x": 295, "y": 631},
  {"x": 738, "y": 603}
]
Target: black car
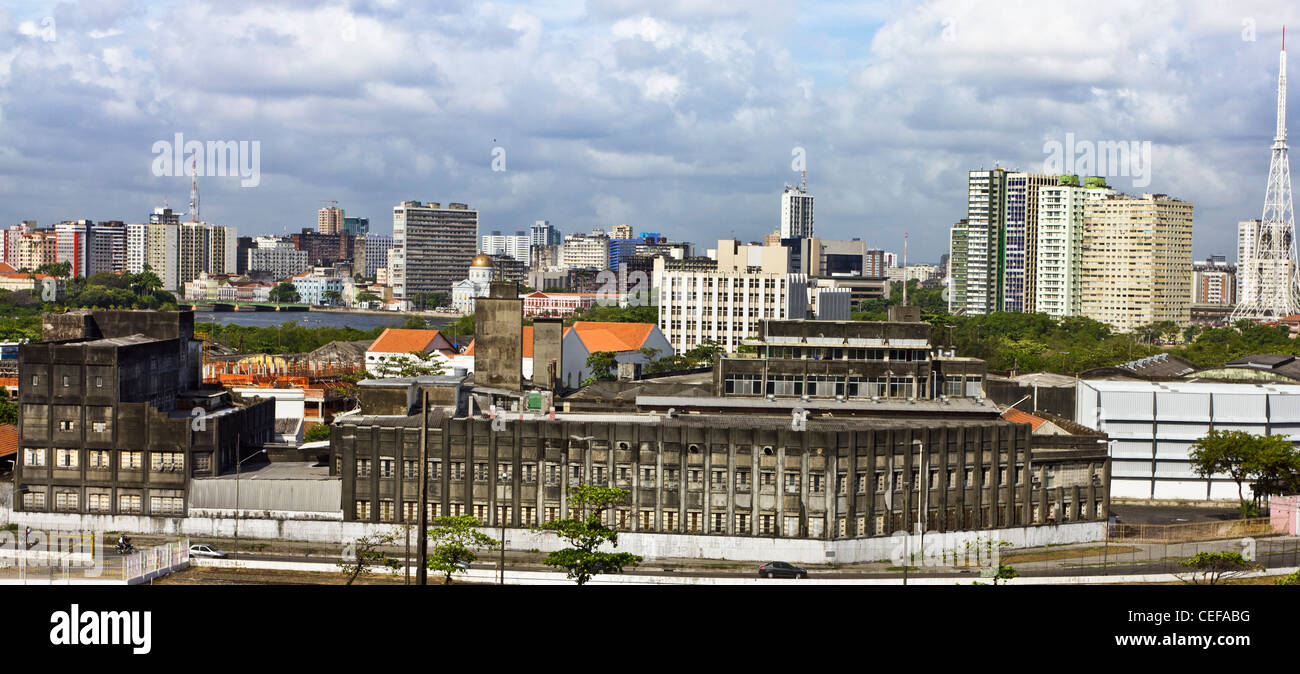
[{"x": 781, "y": 570}]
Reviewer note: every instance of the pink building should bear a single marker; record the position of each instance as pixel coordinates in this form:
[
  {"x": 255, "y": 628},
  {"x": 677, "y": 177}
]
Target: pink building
[{"x": 1284, "y": 514}]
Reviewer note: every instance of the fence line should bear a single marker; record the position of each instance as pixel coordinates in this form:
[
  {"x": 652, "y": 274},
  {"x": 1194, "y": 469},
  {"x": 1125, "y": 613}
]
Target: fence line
[
  {"x": 1191, "y": 531},
  {"x": 156, "y": 561}
]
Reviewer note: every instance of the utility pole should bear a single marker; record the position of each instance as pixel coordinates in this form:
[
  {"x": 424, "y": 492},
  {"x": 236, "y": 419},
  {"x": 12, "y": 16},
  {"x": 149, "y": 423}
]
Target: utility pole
[{"x": 422, "y": 575}]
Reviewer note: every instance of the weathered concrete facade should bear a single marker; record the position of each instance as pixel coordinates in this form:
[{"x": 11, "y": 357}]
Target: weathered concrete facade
[
  {"x": 107, "y": 423},
  {"x": 724, "y": 475},
  {"x": 848, "y": 360},
  {"x": 500, "y": 337}
]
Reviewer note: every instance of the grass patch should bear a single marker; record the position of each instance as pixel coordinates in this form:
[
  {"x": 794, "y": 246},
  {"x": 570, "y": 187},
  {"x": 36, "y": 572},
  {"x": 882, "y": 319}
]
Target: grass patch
[{"x": 1071, "y": 553}]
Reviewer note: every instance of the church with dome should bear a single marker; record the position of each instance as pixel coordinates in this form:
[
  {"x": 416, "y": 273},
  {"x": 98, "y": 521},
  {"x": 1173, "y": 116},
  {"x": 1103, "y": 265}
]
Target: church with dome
[{"x": 464, "y": 292}]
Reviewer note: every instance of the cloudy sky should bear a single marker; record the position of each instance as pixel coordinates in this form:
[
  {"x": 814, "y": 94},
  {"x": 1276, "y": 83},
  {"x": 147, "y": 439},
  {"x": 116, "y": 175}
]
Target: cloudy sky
[{"x": 676, "y": 116}]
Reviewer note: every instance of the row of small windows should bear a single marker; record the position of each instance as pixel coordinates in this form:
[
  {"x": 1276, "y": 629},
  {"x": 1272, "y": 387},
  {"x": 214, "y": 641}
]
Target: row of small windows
[
  {"x": 67, "y": 381},
  {"x": 741, "y": 478},
  {"x": 668, "y": 520},
  {"x": 35, "y": 499},
  {"x": 101, "y": 459}
]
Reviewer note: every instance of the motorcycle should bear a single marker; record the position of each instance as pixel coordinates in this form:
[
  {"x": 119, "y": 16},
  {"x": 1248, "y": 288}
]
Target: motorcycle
[{"x": 125, "y": 549}]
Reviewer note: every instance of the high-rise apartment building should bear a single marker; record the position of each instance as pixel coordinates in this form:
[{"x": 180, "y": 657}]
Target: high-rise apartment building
[
  {"x": 986, "y": 200},
  {"x": 157, "y": 246},
  {"x": 1137, "y": 253},
  {"x": 545, "y": 234},
  {"x": 796, "y": 213},
  {"x": 1249, "y": 275},
  {"x": 204, "y": 247},
  {"x": 1214, "y": 282},
  {"x": 108, "y": 248},
  {"x": 1058, "y": 263},
  {"x": 585, "y": 250},
  {"x": 515, "y": 245},
  {"x": 432, "y": 247},
  {"x": 621, "y": 232},
  {"x": 958, "y": 253},
  {"x": 35, "y": 248},
  {"x": 1020, "y": 240},
  {"x": 329, "y": 220},
  {"x": 164, "y": 216},
  {"x": 277, "y": 258}
]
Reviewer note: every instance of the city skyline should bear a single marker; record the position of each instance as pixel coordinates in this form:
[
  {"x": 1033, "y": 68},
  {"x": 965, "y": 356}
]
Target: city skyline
[{"x": 676, "y": 119}]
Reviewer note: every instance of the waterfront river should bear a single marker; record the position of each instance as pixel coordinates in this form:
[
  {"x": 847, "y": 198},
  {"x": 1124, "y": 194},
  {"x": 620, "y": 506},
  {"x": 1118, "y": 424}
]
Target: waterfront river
[{"x": 310, "y": 319}]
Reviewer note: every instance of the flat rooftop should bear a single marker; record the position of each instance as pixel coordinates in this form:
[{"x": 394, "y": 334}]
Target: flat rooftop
[
  {"x": 1189, "y": 387},
  {"x": 279, "y": 470}
]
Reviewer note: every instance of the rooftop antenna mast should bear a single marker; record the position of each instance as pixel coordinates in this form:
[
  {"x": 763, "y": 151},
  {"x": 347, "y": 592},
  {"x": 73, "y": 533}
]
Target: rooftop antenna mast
[
  {"x": 1269, "y": 286},
  {"x": 194, "y": 188}
]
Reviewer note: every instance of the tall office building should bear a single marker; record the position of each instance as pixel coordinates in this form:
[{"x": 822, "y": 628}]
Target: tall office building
[
  {"x": 724, "y": 306},
  {"x": 515, "y": 245},
  {"x": 545, "y": 234},
  {"x": 1247, "y": 232},
  {"x": 621, "y": 232},
  {"x": 329, "y": 220},
  {"x": 1058, "y": 255},
  {"x": 796, "y": 212},
  {"x": 586, "y": 250},
  {"x": 375, "y": 253},
  {"x": 1137, "y": 257},
  {"x": 1020, "y": 239},
  {"x": 356, "y": 226},
  {"x": 432, "y": 247},
  {"x": 277, "y": 258}
]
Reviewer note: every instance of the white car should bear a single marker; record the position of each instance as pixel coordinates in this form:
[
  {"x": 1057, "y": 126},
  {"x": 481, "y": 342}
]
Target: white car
[{"x": 206, "y": 551}]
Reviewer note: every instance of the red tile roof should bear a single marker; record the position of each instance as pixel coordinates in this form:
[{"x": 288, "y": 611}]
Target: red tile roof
[
  {"x": 1015, "y": 416},
  {"x": 601, "y": 336},
  {"x": 8, "y": 439},
  {"x": 397, "y": 340}
]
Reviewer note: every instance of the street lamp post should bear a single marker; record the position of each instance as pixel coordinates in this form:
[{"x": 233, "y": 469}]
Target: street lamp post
[
  {"x": 501, "y": 519},
  {"x": 922, "y": 496},
  {"x": 239, "y": 463}
]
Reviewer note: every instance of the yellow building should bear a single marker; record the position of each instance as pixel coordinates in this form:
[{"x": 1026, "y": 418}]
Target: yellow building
[{"x": 1137, "y": 260}]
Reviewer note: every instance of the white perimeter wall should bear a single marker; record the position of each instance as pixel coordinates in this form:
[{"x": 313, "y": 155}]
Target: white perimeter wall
[{"x": 282, "y": 526}]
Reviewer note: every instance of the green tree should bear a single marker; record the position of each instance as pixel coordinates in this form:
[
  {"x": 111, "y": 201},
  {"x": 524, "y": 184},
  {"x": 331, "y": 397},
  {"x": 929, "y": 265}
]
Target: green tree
[
  {"x": 602, "y": 364},
  {"x": 412, "y": 364},
  {"x": 415, "y": 323},
  {"x": 360, "y": 556},
  {"x": 8, "y": 409},
  {"x": 701, "y": 355},
  {"x": 332, "y": 296},
  {"x": 317, "y": 433},
  {"x": 586, "y": 533},
  {"x": 1292, "y": 578},
  {"x": 1212, "y": 568},
  {"x": 1224, "y": 452},
  {"x": 285, "y": 293},
  {"x": 367, "y": 296},
  {"x": 454, "y": 541}
]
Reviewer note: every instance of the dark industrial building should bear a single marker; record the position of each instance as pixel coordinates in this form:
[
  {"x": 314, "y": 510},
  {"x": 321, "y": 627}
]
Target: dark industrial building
[
  {"x": 799, "y": 441},
  {"x": 113, "y": 420},
  {"x": 847, "y": 360}
]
